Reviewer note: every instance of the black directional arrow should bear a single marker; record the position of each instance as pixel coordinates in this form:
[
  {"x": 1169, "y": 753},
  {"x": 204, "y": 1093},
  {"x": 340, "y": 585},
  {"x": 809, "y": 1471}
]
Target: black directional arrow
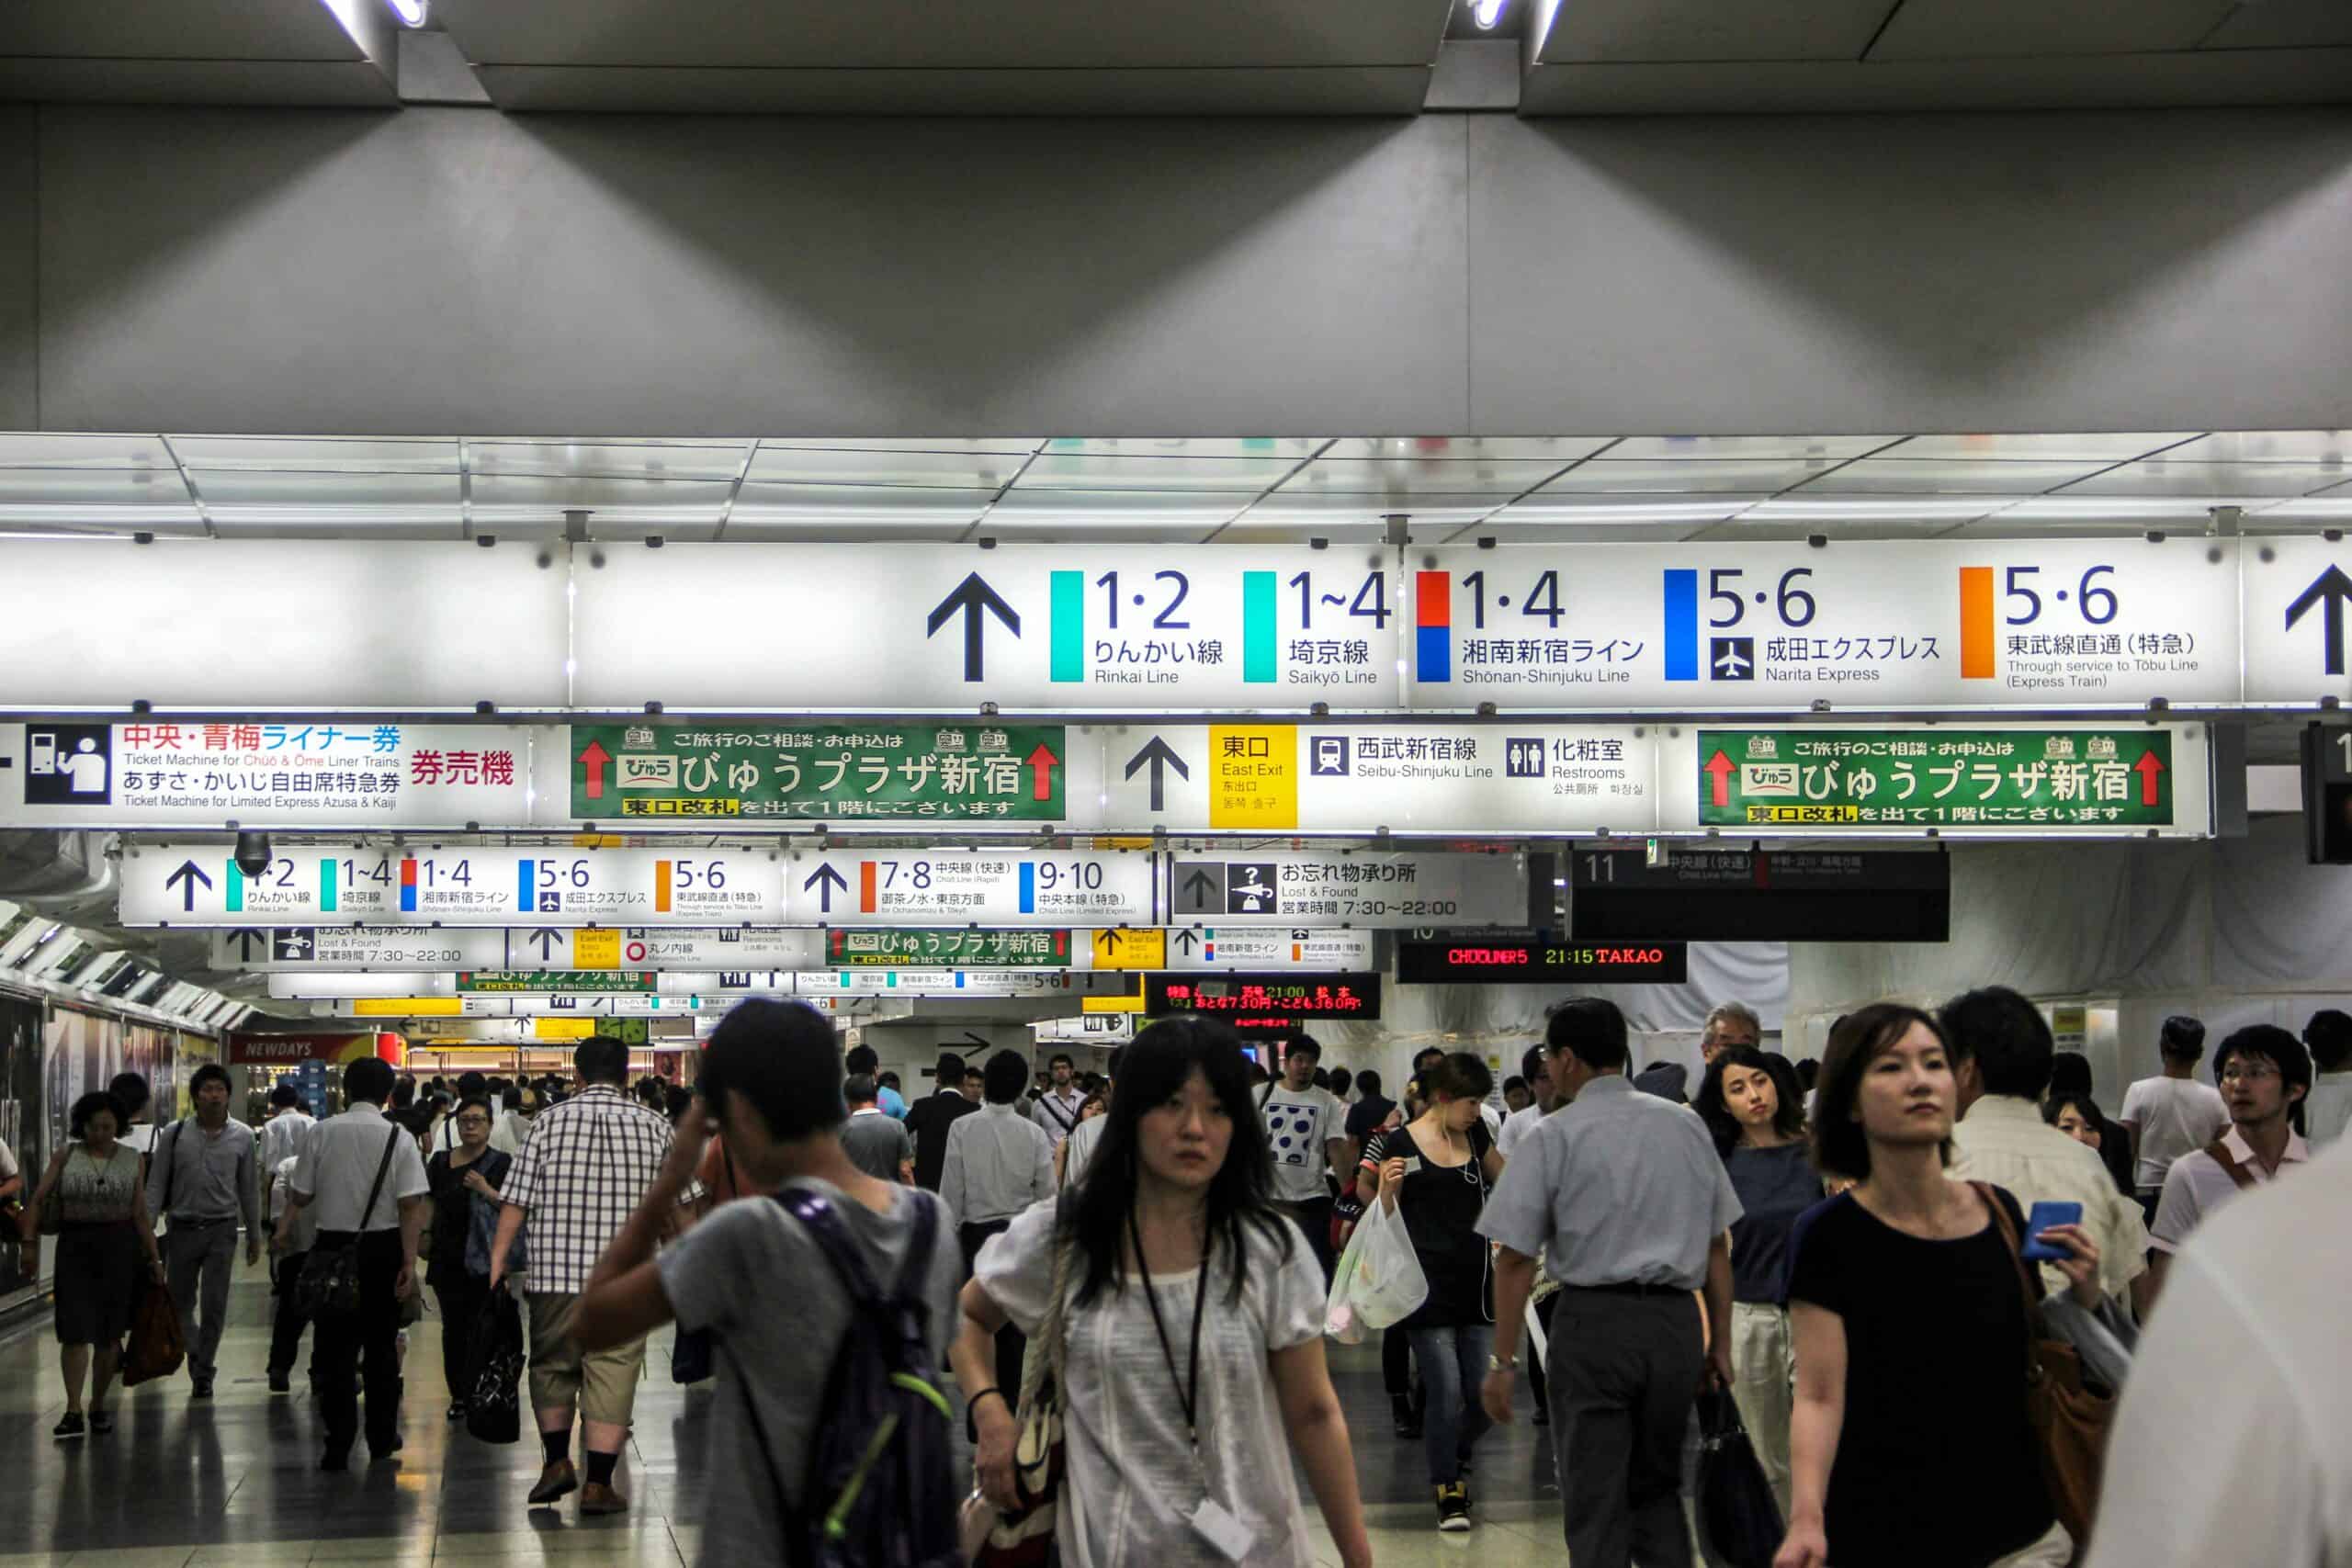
[
  {"x": 1108, "y": 941},
  {"x": 1186, "y": 940},
  {"x": 186, "y": 879},
  {"x": 1200, "y": 884},
  {"x": 1161, "y": 756},
  {"x": 546, "y": 940},
  {"x": 245, "y": 937},
  {"x": 973, "y": 597},
  {"x": 2329, "y": 590},
  {"x": 824, "y": 879}
]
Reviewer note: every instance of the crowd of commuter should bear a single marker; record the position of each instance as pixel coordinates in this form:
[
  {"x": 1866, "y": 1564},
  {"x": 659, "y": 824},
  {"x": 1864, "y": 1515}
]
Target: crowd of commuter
[{"x": 1864, "y": 1262}]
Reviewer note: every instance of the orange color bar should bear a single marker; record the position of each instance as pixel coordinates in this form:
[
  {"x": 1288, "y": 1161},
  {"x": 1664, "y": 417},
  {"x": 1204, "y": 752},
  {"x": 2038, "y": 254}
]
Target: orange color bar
[
  {"x": 1976, "y": 661},
  {"x": 660, "y": 886},
  {"x": 866, "y": 888}
]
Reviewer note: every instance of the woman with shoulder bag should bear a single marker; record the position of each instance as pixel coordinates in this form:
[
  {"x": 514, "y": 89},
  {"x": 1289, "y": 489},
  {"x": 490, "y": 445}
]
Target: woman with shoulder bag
[
  {"x": 461, "y": 1180},
  {"x": 91, "y": 1199},
  {"x": 1913, "y": 1331},
  {"x": 1435, "y": 1173},
  {"x": 1191, "y": 1331}
]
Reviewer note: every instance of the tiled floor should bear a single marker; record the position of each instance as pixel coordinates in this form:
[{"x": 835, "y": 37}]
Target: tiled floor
[{"x": 185, "y": 1485}]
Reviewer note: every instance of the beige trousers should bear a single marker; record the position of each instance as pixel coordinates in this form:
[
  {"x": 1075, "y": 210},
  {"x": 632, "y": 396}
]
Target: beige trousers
[{"x": 1764, "y": 1371}]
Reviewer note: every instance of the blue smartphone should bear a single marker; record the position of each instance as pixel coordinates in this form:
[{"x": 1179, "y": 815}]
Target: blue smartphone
[{"x": 2043, "y": 1216}]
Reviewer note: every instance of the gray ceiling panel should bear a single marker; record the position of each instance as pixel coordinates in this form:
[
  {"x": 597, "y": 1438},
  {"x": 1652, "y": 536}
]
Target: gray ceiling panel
[
  {"x": 1125, "y": 90},
  {"x": 1618, "y": 31},
  {"x": 2284, "y": 24},
  {"x": 1950, "y": 30},
  {"x": 952, "y": 471},
  {"x": 177, "y": 30}
]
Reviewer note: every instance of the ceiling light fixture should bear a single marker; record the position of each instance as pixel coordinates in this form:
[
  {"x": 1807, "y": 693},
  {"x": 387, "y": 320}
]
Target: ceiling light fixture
[
  {"x": 1487, "y": 14},
  {"x": 411, "y": 12}
]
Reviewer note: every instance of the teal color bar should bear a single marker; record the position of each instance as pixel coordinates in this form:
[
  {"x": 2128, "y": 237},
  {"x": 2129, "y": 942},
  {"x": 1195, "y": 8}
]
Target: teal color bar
[
  {"x": 1258, "y": 639},
  {"x": 1069, "y": 625},
  {"x": 236, "y": 889},
  {"x": 326, "y": 887}
]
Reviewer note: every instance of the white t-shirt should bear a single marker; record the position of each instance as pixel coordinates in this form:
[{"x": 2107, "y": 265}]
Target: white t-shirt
[
  {"x": 2327, "y": 1109},
  {"x": 2175, "y": 1117},
  {"x": 1517, "y": 1125},
  {"x": 1131, "y": 1477},
  {"x": 1080, "y": 1147},
  {"x": 2228, "y": 1444},
  {"x": 1299, "y": 1122}
]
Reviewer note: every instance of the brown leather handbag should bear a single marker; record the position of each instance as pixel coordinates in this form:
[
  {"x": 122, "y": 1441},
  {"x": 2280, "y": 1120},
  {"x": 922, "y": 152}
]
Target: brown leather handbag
[
  {"x": 2070, "y": 1422},
  {"x": 156, "y": 1345}
]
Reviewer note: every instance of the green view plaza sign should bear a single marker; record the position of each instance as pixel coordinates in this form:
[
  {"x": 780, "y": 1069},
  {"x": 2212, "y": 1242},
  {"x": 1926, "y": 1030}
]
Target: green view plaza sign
[
  {"x": 1827, "y": 779},
  {"x": 819, "y": 772}
]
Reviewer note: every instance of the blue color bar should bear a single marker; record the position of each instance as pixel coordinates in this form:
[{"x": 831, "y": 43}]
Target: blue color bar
[
  {"x": 526, "y": 891},
  {"x": 1028, "y": 887},
  {"x": 1433, "y": 653},
  {"x": 1681, "y": 626}
]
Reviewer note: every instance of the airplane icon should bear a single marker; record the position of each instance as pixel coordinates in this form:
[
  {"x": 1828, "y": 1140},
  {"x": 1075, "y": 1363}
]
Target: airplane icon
[{"x": 1733, "y": 658}]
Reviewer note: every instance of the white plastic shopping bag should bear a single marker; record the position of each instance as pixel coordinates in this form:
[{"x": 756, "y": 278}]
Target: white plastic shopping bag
[{"x": 1379, "y": 1282}]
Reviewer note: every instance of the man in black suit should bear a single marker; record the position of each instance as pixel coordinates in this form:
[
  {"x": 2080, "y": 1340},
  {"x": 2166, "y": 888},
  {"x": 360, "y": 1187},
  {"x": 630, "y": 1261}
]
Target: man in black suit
[{"x": 929, "y": 1118}]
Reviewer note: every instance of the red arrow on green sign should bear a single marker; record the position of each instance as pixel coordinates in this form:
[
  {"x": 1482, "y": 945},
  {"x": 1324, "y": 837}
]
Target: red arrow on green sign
[
  {"x": 1718, "y": 771},
  {"x": 2148, "y": 767},
  {"x": 594, "y": 759},
  {"x": 1041, "y": 762}
]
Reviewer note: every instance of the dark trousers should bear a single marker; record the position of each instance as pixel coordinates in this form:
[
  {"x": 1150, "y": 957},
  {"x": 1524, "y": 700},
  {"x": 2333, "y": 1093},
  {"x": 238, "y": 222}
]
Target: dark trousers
[
  {"x": 1624, "y": 1371},
  {"x": 1012, "y": 1345},
  {"x": 1397, "y": 1363},
  {"x": 366, "y": 1337},
  {"x": 287, "y": 1321},
  {"x": 1314, "y": 1218},
  {"x": 462, "y": 1296}
]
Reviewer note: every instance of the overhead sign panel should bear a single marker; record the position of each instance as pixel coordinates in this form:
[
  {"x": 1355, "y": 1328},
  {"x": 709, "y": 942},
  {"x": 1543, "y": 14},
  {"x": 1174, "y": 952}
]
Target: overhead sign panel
[
  {"x": 2075, "y": 780},
  {"x": 775, "y": 774},
  {"x": 1207, "y": 949},
  {"x": 2296, "y": 630},
  {"x": 263, "y": 774},
  {"x": 1372, "y": 887},
  {"x": 1910, "y": 623},
  {"x": 1255, "y": 1000},
  {"x": 886, "y": 947},
  {"x": 1422, "y": 778},
  {"x": 464, "y": 885},
  {"x": 1747, "y": 894},
  {"x": 1490, "y": 958},
  {"x": 1040, "y": 626},
  {"x": 998, "y": 887},
  {"x": 350, "y": 948}
]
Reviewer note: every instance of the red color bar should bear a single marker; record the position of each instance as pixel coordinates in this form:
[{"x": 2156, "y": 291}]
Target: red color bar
[
  {"x": 1432, "y": 599},
  {"x": 865, "y": 887}
]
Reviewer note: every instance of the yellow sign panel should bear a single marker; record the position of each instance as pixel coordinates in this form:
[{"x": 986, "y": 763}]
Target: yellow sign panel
[
  {"x": 1803, "y": 815},
  {"x": 408, "y": 1006},
  {"x": 1253, "y": 775},
  {"x": 562, "y": 1028},
  {"x": 598, "y": 949},
  {"x": 1120, "y": 842},
  {"x": 1130, "y": 949},
  {"x": 598, "y": 840},
  {"x": 1111, "y": 1004}
]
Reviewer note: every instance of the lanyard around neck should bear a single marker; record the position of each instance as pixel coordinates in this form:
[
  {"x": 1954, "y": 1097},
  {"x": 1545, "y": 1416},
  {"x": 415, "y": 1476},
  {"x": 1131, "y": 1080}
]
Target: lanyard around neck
[{"x": 1188, "y": 1390}]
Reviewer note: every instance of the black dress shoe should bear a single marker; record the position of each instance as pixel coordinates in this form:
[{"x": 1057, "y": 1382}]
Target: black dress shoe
[
  {"x": 280, "y": 1383},
  {"x": 333, "y": 1460}
]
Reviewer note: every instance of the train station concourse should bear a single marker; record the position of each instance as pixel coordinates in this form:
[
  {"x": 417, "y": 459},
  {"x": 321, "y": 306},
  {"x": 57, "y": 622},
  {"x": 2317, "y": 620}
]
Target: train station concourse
[{"x": 945, "y": 780}]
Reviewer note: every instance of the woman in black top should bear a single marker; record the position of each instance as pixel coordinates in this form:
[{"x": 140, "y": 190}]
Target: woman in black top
[
  {"x": 1911, "y": 1442},
  {"x": 1435, "y": 1171},
  {"x": 459, "y": 1178},
  {"x": 1751, "y": 1103}
]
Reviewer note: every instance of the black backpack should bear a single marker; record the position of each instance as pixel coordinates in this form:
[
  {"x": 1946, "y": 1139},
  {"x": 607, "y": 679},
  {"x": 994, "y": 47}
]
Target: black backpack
[{"x": 880, "y": 1483}]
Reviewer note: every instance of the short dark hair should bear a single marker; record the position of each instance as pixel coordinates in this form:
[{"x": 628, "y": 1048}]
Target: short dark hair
[
  {"x": 1423, "y": 1057},
  {"x": 2070, "y": 1073},
  {"x": 1516, "y": 1082},
  {"x": 1368, "y": 1083},
  {"x": 1590, "y": 1028},
  {"x": 1059, "y": 1058},
  {"x": 782, "y": 1060},
  {"x": 888, "y": 1080},
  {"x": 1305, "y": 1045},
  {"x": 1531, "y": 1062},
  {"x": 1809, "y": 1071},
  {"x": 370, "y": 1078},
  {"x": 403, "y": 1091},
  {"x": 1118, "y": 1054},
  {"x": 1861, "y": 1037},
  {"x": 601, "y": 1059},
  {"x": 861, "y": 1059},
  {"x": 1343, "y": 1081},
  {"x": 474, "y": 1103},
  {"x": 211, "y": 1072},
  {"x": 285, "y": 1094},
  {"x": 1459, "y": 1075},
  {"x": 2084, "y": 1106},
  {"x": 1004, "y": 1077},
  {"x": 950, "y": 1073},
  {"x": 472, "y": 1083},
  {"x": 2281, "y": 1050},
  {"x": 2182, "y": 1037},
  {"x": 77, "y": 1120},
  {"x": 2329, "y": 1035},
  {"x": 2005, "y": 1035},
  {"x": 129, "y": 1091},
  {"x": 859, "y": 1088}
]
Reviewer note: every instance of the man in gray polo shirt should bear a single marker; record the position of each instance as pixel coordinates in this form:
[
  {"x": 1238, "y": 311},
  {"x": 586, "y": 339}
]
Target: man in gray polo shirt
[
  {"x": 205, "y": 1174},
  {"x": 1623, "y": 1196}
]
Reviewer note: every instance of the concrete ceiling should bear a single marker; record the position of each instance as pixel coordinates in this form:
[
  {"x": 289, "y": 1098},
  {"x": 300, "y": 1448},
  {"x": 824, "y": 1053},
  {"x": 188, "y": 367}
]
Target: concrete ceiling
[
  {"x": 928, "y": 57},
  {"x": 215, "y": 51},
  {"x": 1704, "y": 57}
]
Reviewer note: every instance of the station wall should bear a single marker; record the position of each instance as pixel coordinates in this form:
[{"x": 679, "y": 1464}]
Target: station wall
[{"x": 451, "y": 270}]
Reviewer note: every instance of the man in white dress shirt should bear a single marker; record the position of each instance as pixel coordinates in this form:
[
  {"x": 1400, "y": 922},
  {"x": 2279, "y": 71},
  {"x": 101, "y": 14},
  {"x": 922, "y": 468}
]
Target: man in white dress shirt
[{"x": 1057, "y": 1108}]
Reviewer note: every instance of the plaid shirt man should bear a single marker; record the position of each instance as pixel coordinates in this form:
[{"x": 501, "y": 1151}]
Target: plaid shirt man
[{"x": 579, "y": 1178}]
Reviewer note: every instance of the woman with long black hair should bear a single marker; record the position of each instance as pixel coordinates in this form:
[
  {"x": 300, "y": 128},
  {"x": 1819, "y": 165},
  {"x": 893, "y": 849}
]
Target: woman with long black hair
[
  {"x": 1751, "y": 1103},
  {"x": 1193, "y": 1329}
]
